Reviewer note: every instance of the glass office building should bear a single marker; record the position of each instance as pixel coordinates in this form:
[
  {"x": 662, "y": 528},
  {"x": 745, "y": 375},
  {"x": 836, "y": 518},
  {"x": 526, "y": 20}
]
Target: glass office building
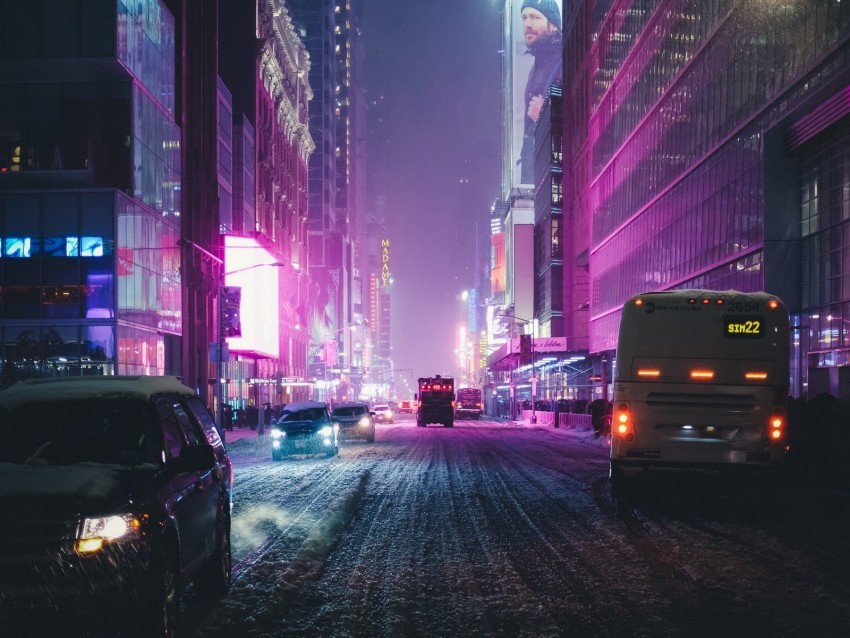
[
  {"x": 89, "y": 189},
  {"x": 709, "y": 149}
]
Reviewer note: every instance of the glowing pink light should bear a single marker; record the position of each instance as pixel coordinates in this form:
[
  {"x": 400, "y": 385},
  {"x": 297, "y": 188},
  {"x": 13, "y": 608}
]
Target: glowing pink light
[{"x": 259, "y": 308}]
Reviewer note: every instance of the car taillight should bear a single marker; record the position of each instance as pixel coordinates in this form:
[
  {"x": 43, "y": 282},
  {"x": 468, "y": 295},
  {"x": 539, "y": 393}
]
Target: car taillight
[{"x": 623, "y": 425}]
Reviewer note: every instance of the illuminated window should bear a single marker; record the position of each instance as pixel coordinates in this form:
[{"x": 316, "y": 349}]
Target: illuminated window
[{"x": 17, "y": 247}]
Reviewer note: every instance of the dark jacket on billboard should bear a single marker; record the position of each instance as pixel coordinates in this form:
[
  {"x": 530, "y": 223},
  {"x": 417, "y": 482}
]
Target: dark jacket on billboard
[{"x": 546, "y": 71}]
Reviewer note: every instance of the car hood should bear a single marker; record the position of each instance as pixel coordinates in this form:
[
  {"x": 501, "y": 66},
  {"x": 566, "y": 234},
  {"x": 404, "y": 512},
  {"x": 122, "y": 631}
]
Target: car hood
[{"x": 76, "y": 489}]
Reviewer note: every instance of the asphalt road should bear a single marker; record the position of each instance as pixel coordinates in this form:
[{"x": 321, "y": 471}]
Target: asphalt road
[{"x": 493, "y": 529}]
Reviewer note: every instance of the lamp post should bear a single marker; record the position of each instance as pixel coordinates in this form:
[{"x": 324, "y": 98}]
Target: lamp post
[
  {"x": 325, "y": 346},
  {"x": 222, "y": 342}
]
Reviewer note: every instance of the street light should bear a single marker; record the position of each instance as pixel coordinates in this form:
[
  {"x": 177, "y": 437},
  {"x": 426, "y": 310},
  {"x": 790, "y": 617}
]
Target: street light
[{"x": 222, "y": 342}]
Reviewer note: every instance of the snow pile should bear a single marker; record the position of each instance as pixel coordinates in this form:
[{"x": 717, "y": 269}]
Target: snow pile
[{"x": 274, "y": 578}]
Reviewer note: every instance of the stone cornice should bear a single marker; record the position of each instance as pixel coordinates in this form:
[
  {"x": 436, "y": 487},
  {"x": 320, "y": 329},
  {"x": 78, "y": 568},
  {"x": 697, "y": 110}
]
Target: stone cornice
[{"x": 285, "y": 68}]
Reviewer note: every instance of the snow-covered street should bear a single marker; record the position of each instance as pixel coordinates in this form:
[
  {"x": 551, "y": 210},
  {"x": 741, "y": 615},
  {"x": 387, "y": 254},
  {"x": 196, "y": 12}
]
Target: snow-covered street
[{"x": 493, "y": 529}]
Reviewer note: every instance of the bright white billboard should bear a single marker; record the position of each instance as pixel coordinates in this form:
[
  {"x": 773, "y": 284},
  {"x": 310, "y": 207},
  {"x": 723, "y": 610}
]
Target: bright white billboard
[{"x": 249, "y": 266}]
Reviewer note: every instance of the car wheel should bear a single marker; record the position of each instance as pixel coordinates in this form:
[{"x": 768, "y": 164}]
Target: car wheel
[
  {"x": 332, "y": 452},
  {"x": 159, "y": 613},
  {"x": 214, "y": 580},
  {"x": 449, "y": 424}
]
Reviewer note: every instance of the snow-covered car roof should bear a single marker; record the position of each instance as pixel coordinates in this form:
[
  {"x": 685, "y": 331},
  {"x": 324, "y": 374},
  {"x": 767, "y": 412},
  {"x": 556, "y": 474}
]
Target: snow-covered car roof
[
  {"x": 64, "y": 388},
  {"x": 304, "y": 405}
]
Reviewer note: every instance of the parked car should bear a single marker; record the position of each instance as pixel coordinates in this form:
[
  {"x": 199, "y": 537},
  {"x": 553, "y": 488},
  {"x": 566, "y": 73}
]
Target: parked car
[
  {"x": 383, "y": 413},
  {"x": 355, "y": 421},
  {"x": 115, "y": 493},
  {"x": 304, "y": 428}
]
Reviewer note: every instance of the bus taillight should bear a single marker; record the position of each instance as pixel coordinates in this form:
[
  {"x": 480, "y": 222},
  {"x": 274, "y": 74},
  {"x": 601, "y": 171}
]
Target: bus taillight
[
  {"x": 776, "y": 427},
  {"x": 702, "y": 374},
  {"x": 649, "y": 372},
  {"x": 623, "y": 424},
  {"x": 755, "y": 376}
]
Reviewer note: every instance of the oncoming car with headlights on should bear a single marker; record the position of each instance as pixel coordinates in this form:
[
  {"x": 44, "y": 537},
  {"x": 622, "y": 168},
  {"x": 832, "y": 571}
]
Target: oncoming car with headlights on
[
  {"x": 383, "y": 413},
  {"x": 355, "y": 421},
  {"x": 115, "y": 493},
  {"x": 304, "y": 428}
]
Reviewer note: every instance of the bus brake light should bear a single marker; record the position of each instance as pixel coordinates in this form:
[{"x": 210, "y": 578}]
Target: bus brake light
[
  {"x": 623, "y": 424},
  {"x": 756, "y": 376},
  {"x": 649, "y": 372},
  {"x": 776, "y": 424}
]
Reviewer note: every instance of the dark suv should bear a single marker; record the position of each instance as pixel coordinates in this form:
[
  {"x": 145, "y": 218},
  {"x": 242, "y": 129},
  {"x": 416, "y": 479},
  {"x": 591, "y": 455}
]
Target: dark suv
[
  {"x": 355, "y": 421},
  {"x": 304, "y": 428},
  {"x": 115, "y": 492}
]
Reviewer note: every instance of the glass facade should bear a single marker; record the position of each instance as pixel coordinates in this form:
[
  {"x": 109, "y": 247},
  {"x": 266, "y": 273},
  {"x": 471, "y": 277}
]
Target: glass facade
[
  {"x": 145, "y": 46},
  {"x": 156, "y": 156},
  {"x": 824, "y": 205},
  {"x": 682, "y": 97},
  {"x": 90, "y": 201}
]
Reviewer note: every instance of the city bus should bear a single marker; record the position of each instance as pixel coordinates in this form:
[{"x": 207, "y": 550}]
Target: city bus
[{"x": 701, "y": 382}]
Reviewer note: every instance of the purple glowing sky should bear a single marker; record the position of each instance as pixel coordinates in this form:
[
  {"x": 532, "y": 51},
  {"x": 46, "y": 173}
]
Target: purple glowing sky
[{"x": 434, "y": 148}]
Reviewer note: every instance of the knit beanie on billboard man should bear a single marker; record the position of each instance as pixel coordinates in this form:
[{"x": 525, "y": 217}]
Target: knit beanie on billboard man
[{"x": 548, "y": 8}]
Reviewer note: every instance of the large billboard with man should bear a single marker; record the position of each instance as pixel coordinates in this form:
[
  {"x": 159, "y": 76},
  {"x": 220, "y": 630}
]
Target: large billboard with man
[{"x": 535, "y": 63}]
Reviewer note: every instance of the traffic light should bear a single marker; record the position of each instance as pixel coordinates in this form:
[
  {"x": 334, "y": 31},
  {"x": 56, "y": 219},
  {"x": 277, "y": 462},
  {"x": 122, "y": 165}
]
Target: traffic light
[
  {"x": 525, "y": 349},
  {"x": 228, "y": 304}
]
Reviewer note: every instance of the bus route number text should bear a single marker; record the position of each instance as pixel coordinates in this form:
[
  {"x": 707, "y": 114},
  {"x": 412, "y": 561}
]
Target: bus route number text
[{"x": 744, "y": 327}]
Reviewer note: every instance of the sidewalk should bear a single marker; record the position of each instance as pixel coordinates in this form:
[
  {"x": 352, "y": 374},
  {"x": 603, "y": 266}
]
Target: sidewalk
[{"x": 237, "y": 434}]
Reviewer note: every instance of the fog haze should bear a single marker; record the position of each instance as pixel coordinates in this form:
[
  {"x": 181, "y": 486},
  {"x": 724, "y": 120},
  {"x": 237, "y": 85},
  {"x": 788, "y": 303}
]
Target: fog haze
[{"x": 433, "y": 82}]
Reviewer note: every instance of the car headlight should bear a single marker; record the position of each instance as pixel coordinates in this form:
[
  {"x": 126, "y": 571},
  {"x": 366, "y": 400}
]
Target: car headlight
[
  {"x": 364, "y": 421},
  {"x": 326, "y": 431},
  {"x": 278, "y": 434},
  {"x": 95, "y": 532}
]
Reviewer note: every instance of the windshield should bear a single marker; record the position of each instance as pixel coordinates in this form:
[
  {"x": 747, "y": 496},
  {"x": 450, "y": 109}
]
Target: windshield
[
  {"x": 356, "y": 410},
  {"x": 110, "y": 431},
  {"x": 310, "y": 414}
]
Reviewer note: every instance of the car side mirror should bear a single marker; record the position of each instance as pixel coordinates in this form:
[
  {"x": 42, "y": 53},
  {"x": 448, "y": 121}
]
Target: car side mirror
[
  {"x": 415, "y": 397},
  {"x": 195, "y": 458},
  {"x": 372, "y": 413}
]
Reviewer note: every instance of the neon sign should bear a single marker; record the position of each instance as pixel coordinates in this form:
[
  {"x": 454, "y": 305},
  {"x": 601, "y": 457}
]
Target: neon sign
[{"x": 385, "y": 262}]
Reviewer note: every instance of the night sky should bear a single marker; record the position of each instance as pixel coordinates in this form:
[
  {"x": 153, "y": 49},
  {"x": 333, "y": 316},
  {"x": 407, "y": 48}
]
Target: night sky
[{"x": 433, "y": 82}]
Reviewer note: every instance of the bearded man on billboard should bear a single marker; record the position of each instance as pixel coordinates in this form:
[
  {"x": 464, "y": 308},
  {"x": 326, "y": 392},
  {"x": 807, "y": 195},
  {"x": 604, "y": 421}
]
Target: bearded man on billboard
[{"x": 541, "y": 25}]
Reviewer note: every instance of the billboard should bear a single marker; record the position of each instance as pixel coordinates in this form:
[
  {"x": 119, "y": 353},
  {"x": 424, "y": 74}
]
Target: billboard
[
  {"x": 535, "y": 62},
  {"x": 248, "y": 267}
]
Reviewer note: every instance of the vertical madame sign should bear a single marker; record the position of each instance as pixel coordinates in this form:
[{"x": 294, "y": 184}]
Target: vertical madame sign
[{"x": 385, "y": 262}]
